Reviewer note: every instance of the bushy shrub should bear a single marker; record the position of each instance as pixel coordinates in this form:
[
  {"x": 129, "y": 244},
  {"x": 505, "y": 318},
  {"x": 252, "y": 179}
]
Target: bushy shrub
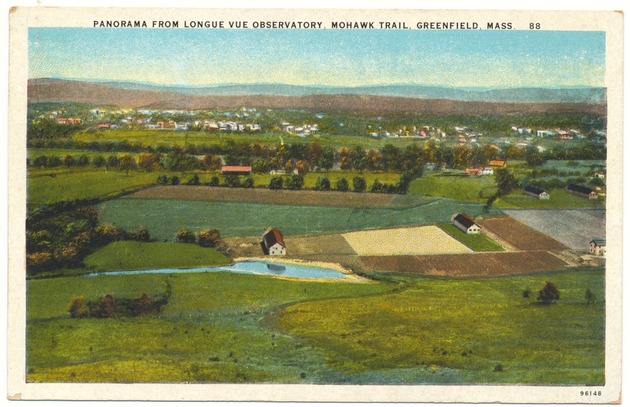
[
  {"x": 106, "y": 233},
  {"x": 248, "y": 182},
  {"x": 275, "y": 183},
  {"x": 78, "y": 308},
  {"x": 174, "y": 180},
  {"x": 185, "y": 236},
  {"x": 142, "y": 234},
  {"x": 359, "y": 184},
  {"x": 294, "y": 182},
  {"x": 39, "y": 261},
  {"x": 322, "y": 184},
  {"x": 214, "y": 181},
  {"x": 194, "y": 180},
  {"x": 341, "y": 185},
  {"x": 377, "y": 186},
  {"x": 232, "y": 181},
  {"x": 162, "y": 179},
  {"x": 105, "y": 307},
  {"x": 208, "y": 238}
]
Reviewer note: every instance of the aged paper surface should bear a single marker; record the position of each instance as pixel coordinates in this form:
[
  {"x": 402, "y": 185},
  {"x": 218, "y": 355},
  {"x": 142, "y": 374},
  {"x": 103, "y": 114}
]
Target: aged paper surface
[{"x": 412, "y": 205}]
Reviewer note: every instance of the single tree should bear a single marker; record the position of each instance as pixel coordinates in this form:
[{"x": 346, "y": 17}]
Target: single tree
[
  {"x": 341, "y": 185},
  {"x": 549, "y": 294},
  {"x": 359, "y": 184}
]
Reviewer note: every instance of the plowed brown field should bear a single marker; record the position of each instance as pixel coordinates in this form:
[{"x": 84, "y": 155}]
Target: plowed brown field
[
  {"x": 518, "y": 235},
  {"x": 468, "y": 265},
  {"x": 266, "y": 196}
]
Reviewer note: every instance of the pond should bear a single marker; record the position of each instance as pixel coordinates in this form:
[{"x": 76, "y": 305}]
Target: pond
[{"x": 246, "y": 267}]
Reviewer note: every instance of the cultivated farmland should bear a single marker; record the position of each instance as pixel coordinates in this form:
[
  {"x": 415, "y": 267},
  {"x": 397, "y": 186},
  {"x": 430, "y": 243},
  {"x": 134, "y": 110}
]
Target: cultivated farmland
[
  {"x": 266, "y": 196},
  {"x": 518, "y": 235},
  {"x": 574, "y": 228},
  {"x": 468, "y": 265},
  {"x": 404, "y": 241}
]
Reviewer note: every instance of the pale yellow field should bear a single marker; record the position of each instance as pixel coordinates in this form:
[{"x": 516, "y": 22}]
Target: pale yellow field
[{"x": 404, "y": 241}]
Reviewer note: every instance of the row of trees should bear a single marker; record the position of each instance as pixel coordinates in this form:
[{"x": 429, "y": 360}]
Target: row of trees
[
  {"x": 110, "y": 306},
  {"x": 204, "y": 238},
  {"x": 313, "y": 155},
  {"x": 296, "y": 182},
  {"x": 550, "y": 294}
]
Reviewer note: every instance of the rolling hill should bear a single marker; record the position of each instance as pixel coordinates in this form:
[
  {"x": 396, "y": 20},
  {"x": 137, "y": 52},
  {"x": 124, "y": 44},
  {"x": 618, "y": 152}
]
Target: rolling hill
[{"x": 389, "y": 98}]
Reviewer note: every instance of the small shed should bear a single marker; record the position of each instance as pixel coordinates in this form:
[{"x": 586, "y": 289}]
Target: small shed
[
  {"x": 536, "y": 192},
  {"x": 272, "y": 243},
  {"x": 597, "y": 246},
  {"x": 466, "y": 224}
]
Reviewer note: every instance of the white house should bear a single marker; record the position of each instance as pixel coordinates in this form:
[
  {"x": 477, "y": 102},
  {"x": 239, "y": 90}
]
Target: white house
[
  {"x": 597, "y": 246},
  {"x": 465, "y": 223},
  {"x": 272, "y": 243}
]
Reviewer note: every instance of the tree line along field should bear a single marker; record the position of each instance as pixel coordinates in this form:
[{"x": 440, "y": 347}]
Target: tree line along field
[
  {"x": 49, "y": 185},
  {"x": 221, "y": 327}
]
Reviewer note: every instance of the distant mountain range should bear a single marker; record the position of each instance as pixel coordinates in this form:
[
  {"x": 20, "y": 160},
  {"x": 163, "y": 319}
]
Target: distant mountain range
[
  {"x": 534, "y": 95},
  {"x": 366, "y": 98}
]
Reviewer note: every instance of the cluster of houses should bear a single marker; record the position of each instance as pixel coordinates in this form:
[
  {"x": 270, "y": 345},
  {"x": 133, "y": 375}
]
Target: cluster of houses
[
  {"x": 226, "y": 126},
  {"x": 68, "y": 120},
  {"x": 558, "y": 133},
  {"x": 302, "y": 131},
  {"x": 423, "y": 132}
]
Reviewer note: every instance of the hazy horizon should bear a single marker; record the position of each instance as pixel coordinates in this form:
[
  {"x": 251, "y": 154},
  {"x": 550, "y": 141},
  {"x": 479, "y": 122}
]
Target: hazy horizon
[{"x": 348, "y": 58}]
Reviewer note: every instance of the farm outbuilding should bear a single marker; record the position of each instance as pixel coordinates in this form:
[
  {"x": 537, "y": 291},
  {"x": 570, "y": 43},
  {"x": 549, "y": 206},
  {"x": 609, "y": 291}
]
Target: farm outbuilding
[
  {"x": 536, "y": 192},
  {"x": 272, "y": 243},
  {"x": 597, "y": 246},
  {"x": 465, "y": 223},
  {"x": 236, "y": 170},
  {"x": 583, "y": 191}
]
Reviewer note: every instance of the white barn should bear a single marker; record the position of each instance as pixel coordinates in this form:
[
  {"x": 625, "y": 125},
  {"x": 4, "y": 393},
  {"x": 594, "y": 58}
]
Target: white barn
[{"x": 466, "y": 224}]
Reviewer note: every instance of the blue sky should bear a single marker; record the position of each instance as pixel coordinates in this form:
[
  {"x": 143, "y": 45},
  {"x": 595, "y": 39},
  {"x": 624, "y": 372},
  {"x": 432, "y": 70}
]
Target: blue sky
[{"x": 477, "y": 58}]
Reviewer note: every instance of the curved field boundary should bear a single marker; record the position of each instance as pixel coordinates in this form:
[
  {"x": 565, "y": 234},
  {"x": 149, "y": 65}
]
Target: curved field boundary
[{"x": 468, "y": 265}]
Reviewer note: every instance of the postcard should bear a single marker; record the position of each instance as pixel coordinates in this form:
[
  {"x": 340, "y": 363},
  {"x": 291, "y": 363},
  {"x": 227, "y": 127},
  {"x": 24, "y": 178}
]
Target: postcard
[{"x": 314, "y": 205}]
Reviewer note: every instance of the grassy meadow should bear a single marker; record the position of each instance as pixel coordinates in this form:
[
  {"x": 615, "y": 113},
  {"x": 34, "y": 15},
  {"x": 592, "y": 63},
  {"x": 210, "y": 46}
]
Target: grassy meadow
[
  {"x": 163, "y": 217},
  {"x": 479, "y": 189},
  {"x": 222, "y": 327},
  {"x": 132, "y": 255}
]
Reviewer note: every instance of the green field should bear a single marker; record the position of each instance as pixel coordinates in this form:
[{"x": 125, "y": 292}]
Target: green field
[
  {"x": 478, "y": 243},
  {"x": 221, "y": 327},
  {"x": 559, "y": 199},
  {"x": 460, "y": 331},
  {"x": 454, "y": 186},
  {"x": 132, "y": 255},
  {"x": 479, "y": 189},
  {"x": 61, "y": 184},
  {"x": 163, "y": 217},
  {"x": 155, "y": 138},
  {"x": 210, "y": 330}
]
